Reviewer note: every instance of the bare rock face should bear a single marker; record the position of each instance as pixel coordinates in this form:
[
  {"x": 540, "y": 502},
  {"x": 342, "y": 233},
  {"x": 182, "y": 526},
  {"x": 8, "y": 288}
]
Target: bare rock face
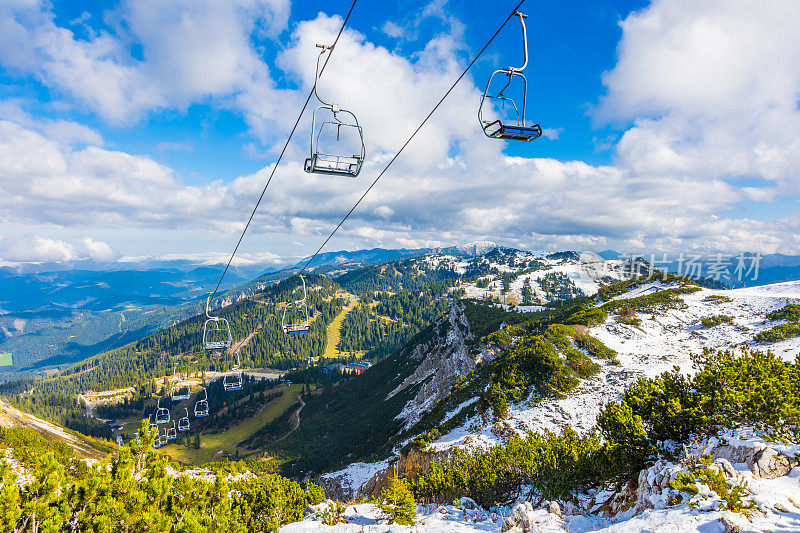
[
  {"x": 653, "y": 483},
  {"x": 769, "y": 464},
  {"x": 442, "y": 362}
]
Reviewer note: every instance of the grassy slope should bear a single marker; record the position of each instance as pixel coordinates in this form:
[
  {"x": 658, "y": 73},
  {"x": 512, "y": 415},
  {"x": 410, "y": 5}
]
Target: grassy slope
[
  {"x": 225, "y": 442},
  {"x": 334, "y": 330}
]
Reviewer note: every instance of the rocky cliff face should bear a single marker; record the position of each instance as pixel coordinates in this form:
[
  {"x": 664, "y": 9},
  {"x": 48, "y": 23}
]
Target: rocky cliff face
[{"x": 443, "y": 360}]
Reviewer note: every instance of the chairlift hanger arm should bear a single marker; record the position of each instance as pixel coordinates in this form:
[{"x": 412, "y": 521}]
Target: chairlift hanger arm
[
  {"x": 522, "y": 18},
  {"x": 324, "y": 48}
]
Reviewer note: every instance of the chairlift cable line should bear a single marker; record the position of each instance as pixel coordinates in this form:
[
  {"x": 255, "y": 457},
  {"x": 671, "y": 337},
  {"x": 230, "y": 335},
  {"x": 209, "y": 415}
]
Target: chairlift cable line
[
  {"x": 285, "y": 146},
  {"x": 453, "y": 86}
]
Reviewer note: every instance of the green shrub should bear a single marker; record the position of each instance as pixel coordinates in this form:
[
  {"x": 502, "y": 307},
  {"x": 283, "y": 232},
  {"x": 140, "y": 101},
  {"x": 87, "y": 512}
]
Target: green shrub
[
  {"x": 751, "y": 388},
  {"x": 654, "y": 302},
  {"x": 717, "y": 299},
  {"x": 588, "y": 317},
  {"x": 629, "y": 321},
  {"x": 716, "y": 320},
  {"x": 556, "y": 466},
  {"x": 790, "y": 312},
  {"x": 397, "y": 502},
  {"x": 778, "y": 333},
  {"x": 333, "y": 514}
]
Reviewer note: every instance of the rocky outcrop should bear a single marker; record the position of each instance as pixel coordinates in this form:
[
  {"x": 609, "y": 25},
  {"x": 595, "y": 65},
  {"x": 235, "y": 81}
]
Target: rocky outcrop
[{"x": 443, "y": 360}]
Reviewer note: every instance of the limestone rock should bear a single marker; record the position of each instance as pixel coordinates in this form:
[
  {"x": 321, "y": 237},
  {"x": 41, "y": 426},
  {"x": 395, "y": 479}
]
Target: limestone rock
[
  {"x": 518, "y": 517},
  {"x": 769, "y": 464},
  {"x": 729, "y": 525}
]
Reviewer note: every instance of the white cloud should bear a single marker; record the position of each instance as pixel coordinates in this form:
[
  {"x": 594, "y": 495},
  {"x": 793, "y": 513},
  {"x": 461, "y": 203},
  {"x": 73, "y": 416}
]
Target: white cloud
[
  {"x": 97, "y": 250},
  {"x": 712, "y": 88},
  {"x": 392, "y": 29},
  {"x": 36, "y": 248},
  {"x": 192, "y": 50},
  {"x": 672, "y": 184}
]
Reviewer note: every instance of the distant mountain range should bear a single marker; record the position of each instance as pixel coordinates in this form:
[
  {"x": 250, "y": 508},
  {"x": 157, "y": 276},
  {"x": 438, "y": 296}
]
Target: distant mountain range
[{"x": 52, "y": 314}]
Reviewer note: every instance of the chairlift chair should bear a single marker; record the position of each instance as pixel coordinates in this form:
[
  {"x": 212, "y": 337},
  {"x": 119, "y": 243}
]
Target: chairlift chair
[
  {"x": 162, "y": 414},
  {"x": 180, "y": 387},
  {"x": 514, "y": 130},
  {"x": 183, "y": 422},
  {"x": 216, "y": 331},
  {"x": 170, "y": 433},
  {"x": 232, "y": 380},
  {"x": 294, "y": 328},
  {"x": 320, "y": 161},
  {"x": 201, "y": 406}
]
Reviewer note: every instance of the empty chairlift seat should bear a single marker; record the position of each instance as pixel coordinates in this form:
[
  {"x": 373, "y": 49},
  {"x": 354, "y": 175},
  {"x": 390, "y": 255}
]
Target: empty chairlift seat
[
  {"x": 331, "y": 155},
  {"x": 201, "y": 406},
  {"x": 183, "y": 422},
  {"x": 512, "y": 126},
  {"x": 162, "y": 415},
  {"x": 216, "y": 331},
  {"x": 232, "y": 380},
  {"x": 295, "y": 314}
]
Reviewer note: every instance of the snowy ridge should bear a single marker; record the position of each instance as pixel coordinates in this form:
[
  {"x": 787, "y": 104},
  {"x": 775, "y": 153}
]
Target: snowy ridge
[{"x": 660, "y": 342}]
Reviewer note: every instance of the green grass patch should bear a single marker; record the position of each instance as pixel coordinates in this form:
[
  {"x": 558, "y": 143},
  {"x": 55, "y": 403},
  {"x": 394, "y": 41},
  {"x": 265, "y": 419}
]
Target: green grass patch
[
  {"x": 217, "y": 446},
  {"x": 6, "y": 359},
  {"x": 334, "y": 332}
]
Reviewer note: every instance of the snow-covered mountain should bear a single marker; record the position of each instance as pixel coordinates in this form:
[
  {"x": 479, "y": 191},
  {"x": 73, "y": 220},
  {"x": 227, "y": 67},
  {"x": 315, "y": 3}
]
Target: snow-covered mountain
[{"x": 653, "y": 342}]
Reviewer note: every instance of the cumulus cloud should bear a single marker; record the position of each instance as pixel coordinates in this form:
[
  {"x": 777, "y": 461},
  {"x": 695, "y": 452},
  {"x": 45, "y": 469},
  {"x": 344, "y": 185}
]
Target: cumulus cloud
[
  {"x": 36, "y": 248},
  {"x": 97, "y": 250},
  {"x": 39, "y": 248},
  {"x": 674, "y": 176},
  {"x": 712, "y": 89},
  {"x": 191, "y": 50}
]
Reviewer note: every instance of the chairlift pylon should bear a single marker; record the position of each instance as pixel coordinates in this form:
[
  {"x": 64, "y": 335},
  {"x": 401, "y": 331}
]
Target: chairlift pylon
[
  {"x": 201, "y": 406},
  {"x": 232, "y": 380},
  {"x": 162, "y": 414},
  {"x": 327, "y": 163},
  {"x": 294, "y": 328},
  {"x": 515, "y": 130},
  {"x": 180, "y": 387},
  {"x": 183, "y": 422},
  {"x": 216, "y": 331}
]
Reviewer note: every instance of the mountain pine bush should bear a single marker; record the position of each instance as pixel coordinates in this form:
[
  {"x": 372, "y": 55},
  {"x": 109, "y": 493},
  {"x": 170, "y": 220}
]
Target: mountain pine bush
[
  {"x": 133, "y": 492},
  {"x": 397, "y": 502}
]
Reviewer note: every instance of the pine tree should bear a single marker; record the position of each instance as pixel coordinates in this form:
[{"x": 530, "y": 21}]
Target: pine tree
[{"x": 397, "y": 502}]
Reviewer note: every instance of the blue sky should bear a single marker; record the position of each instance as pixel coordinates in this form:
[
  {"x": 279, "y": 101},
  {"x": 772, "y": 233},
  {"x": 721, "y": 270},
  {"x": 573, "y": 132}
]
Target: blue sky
[{"x": 135, "y": 129}]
